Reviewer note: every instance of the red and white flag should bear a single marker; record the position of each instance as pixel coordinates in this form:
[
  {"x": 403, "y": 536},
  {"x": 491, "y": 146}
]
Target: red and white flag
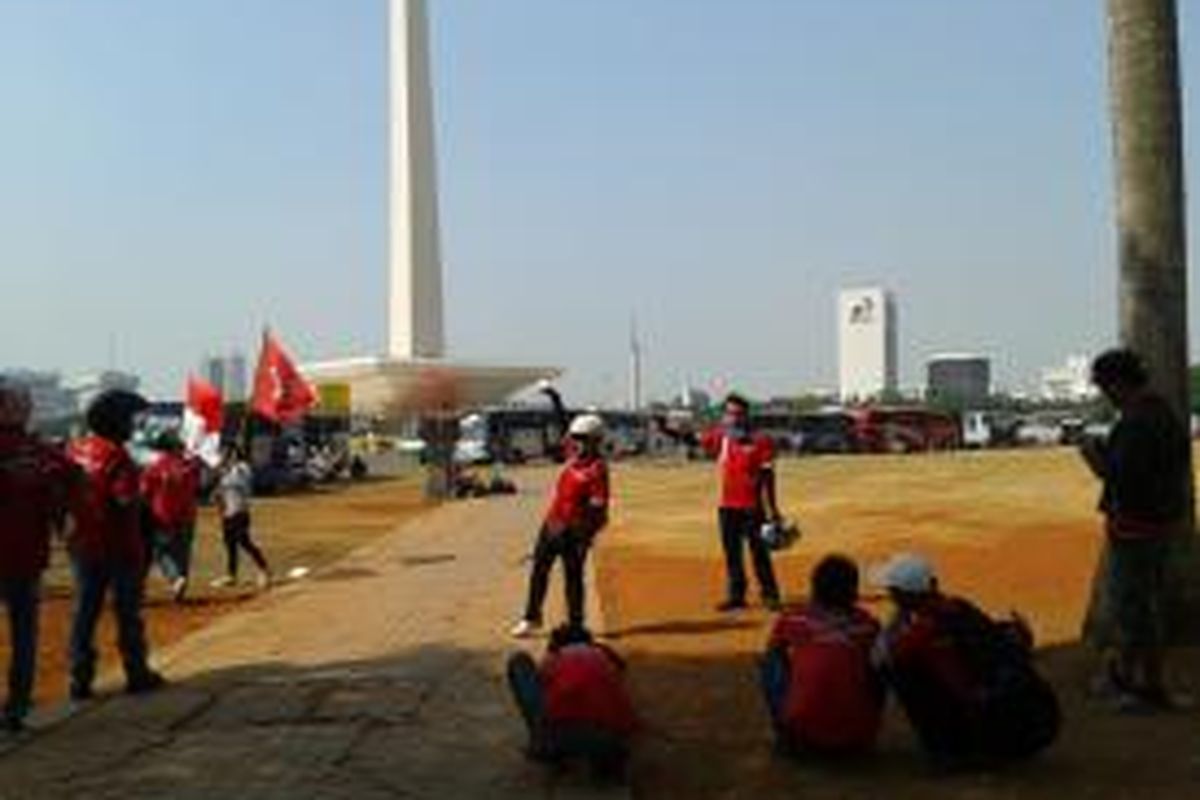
[
  {"x": 280, "y": 392},
  {"x": 203, "y": 418}
]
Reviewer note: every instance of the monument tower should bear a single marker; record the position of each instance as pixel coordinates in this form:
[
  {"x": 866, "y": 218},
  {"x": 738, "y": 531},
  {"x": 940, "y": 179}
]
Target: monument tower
[
  {"x": 415, "y": 320},
  {"x": 416, "y": 346}
]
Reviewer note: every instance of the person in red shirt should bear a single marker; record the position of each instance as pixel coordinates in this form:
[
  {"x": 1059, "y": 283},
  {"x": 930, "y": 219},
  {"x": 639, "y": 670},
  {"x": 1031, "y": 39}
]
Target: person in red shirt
[
  {"x": 169, "y": 488},
  {"x": 746, "y": 462},
  {"x": 34, "y": 480},
  {"x": 965, "y": 681},
  {"x": 578, "y": 511},
  {"x": 106, "y": 546},
  {"x": 822, "y": 693},
  {"x": 575, "y": 703}
]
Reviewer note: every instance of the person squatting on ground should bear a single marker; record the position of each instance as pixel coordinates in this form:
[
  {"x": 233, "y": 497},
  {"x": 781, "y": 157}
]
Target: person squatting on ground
[
  {"x": 106, "y": 545},
  {"x": 234, "y": 490},
  {"x": 575, "y": 703},
  {"x": 1145, "y": 500},
  {"x": 170, "y": 488},
  {"x": 34, "y": 482},
  {"x": 746, "y": 462},
  {"x": 578, "y": 511},
  {"x": 966, "y": 682},
  {"x": 823, "y": 695}
]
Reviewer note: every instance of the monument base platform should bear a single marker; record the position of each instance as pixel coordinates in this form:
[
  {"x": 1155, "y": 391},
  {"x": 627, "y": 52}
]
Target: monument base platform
[{"x": 394, "y": 387}]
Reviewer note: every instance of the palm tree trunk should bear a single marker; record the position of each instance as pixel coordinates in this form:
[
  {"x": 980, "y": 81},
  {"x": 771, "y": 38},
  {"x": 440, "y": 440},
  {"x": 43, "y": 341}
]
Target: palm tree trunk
[
  {"x": 1147, "y": 122},
  {"x": 1148, "y": 139}
]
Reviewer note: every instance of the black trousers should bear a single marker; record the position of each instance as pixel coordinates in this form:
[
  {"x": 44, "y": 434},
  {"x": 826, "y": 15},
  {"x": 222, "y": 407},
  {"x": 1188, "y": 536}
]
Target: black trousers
[
  {"x": 737, "y": 526},
  {"x": 236, "y": 530},
  {"x": 572, "y": 547}
]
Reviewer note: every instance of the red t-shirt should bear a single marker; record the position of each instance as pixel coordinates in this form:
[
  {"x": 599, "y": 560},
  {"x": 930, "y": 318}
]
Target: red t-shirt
[
  {"x": 833, "y": 700},
  {"x": 920, "y": 642},
  {"x": 583, "y": 684},
  {"x": 105, "y": 504},
  {"x": 582, "y": 484},
  {"x": 34, "y": 479},
  {"x": 169, "y": 487},
  {"x": 741, "y": 463}
]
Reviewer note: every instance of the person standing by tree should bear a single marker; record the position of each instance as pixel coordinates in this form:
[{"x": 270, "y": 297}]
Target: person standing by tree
[
  {"x": 746, "y": 462},
  {"x": 1144, "y": 467}
]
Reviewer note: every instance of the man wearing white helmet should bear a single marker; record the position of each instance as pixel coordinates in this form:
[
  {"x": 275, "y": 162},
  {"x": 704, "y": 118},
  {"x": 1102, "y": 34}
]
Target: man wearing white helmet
[
  {"x": 33, "y": 492},
  {"x": 966, "y": 682},
  {"x": 578, "y": 511}
]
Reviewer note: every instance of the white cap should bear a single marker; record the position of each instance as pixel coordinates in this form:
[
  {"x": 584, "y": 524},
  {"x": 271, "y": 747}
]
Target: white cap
[
  {"x": 588, "y": 425},
  {"x": 905, "y": 572}
]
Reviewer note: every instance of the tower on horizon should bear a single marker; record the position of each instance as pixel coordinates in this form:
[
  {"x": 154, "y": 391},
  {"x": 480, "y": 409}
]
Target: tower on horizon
[
  {"x": 415, "y": 314},
  {"x": 867, "y": 363}
]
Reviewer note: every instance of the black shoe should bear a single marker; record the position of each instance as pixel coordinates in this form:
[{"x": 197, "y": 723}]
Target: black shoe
[
  {"x": 772, "y": 604},
  {"x": 81, "y": 692},
  {"x": 731, "y": 605},
  {"x": 14, "y": 723},
  {"x": 148, "y": 682}
]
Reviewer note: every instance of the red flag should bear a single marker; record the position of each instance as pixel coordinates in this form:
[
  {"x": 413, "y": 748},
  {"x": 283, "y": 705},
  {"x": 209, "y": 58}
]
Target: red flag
[
  {"x": 203, "y": 417},
  {"x": 205, "y": 401},
  {"x": 280, "y": 392}
]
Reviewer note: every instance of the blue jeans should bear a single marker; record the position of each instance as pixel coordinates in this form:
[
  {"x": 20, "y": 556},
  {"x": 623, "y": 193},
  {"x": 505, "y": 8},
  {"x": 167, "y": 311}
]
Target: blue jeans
[
  {"x": 92, "y": 580},
  {"x": 21, "y": 597},
  {"x": 173, "y": 551},
  {"x": 774, "y": 675}
]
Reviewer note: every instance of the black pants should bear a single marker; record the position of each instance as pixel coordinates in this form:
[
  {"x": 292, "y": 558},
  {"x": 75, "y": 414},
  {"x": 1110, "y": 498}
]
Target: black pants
[
  {"x": 738, "y": 525},
  {"x": 236, "y": 530},
  {"x": 572, "y": 547}
]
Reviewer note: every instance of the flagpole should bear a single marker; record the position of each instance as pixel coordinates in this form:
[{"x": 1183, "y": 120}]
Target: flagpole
[{"x": 244, "y": 434}]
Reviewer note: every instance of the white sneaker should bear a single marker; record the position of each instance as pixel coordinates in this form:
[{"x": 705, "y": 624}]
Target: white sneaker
[
  {"x": 264, "y": 579},
  {"x": 179, "y": 589},
  {"x": 525, "y": 628},
  {"x": 222, "y": 582}
]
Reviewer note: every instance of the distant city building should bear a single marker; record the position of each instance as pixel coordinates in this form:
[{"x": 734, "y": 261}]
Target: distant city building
[
  {"x": 867, "y": 344},
  {"x": 87, "y": 387},
  {"x": 959, "y": 379},
  {"x": 227, "y": 374},
  {"x": 691, "y": 397},
  {"x": 53, "y": 404},
  {"x": 1071, "y": 382}
]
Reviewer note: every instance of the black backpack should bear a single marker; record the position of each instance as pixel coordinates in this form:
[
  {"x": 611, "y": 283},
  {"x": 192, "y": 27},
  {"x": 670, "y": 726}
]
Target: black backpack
[{"x": 1020, "y": 713}]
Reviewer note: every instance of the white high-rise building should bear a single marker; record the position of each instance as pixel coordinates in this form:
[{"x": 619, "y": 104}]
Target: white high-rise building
[{"x": 867, "y": 361}]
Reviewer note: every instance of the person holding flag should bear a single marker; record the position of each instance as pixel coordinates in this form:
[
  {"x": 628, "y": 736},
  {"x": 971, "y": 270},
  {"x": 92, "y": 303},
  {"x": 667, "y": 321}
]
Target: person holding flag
[{"x": 203, "y": 422}]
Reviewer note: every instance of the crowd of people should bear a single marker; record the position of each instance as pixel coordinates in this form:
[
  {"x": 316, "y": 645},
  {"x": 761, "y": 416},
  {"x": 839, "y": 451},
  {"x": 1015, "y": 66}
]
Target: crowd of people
[
  {"x": 117, "y": 521},
  {"x": 966, "y": 682}
]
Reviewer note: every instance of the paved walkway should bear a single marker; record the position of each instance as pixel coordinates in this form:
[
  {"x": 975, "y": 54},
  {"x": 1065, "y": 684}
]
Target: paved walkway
[{"x": 381, "y": 677}]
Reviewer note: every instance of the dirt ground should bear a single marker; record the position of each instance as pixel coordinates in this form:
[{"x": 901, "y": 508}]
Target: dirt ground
[
  {"x": 308, "y": 530},
  {"x": 1012, "y": 530}
]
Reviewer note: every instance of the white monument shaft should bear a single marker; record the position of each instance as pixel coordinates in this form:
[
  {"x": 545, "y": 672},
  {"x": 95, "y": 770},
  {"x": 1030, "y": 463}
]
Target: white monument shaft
[{"x": 415, "y": 313}]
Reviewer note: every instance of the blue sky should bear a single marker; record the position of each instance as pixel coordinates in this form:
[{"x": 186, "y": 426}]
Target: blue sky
[{"x": 177, "y": 173}]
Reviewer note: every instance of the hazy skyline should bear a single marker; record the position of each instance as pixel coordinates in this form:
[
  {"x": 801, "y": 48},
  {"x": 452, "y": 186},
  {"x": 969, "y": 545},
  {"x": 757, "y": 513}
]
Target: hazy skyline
[{"x": 178, "y": 174}]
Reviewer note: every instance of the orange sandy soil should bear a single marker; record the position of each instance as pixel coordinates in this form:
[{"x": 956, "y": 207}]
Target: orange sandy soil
[
  {"x": 305, "y": 530},
  {"x": 1012, "y": 530}
]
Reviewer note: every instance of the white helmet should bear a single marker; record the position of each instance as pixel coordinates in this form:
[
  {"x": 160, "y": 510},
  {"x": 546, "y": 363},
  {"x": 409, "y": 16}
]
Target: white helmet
[{"x": 588, "y": 426}]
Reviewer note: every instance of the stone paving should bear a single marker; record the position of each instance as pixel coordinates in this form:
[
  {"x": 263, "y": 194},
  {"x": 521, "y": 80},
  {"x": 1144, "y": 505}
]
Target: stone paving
[{"x": 381, "y": 677}]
